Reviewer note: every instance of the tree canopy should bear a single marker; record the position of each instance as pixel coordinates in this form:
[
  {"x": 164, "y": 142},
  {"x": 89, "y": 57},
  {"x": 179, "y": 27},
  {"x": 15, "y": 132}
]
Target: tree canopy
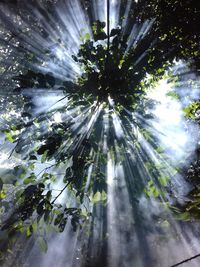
[{"x": 96, "y": 107}]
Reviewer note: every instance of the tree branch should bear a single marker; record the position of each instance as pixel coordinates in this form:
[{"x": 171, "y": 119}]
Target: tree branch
[
  {"x": 108, "y": 26},
  {"x": 60, "y": 193},
  {"x": 184, "y": 261},
  {"x": 108, "y": 35}
]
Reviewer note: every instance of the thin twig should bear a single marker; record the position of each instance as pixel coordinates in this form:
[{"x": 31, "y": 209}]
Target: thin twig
[
  {"x": 46, "y": 168},
  {"x": 108, "y": 35},
  {"x": 108, "y": 26},
  {"x": 59, "y": 100},
  {"x": 60, "y": 193},
  {"x": 184, "y": 261},
  {"x": 12, "y": 151}
]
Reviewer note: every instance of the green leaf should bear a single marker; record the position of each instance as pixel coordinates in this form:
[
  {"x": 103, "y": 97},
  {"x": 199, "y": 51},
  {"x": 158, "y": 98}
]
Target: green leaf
[
  {"x": 34, "y": 227},
  {"x": 32, "y": 166},
  {"x": 43, "y": 244},
  {"x": 185, "y": 216},
  {"x": 165, "y": 224},
  {"x": 28, "y": 232},
  {"x": 29, "y": 180},
  {"x": 87, "y": 36},
  {"x": 94, "y": 27},
  {"x": 44, "y": 156},
  {"x": 99, "y": 197},
  {"x": 22, "y": 175},
  {"x": 155, "y": 192},
  {"x": 151, "y": 190},
  {"x": 173, "y": 95},
  {"x": 96, "y": 198},
  {"x": 163, "y": 180},
  {"x": 2, "y": 195},
  {"x": 9, "y": 136},
  {"x": 49, "y": 195},
  {"x": 19, "y": 193},
  {"x": 45, "y": 174}
]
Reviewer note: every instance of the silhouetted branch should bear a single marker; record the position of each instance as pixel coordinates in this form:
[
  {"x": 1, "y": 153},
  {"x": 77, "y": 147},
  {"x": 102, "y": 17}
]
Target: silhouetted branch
[
  {"x": 184, "y": 261},
  {"x": 61, "y": 191},
  {"x": 108, "y": 23},
  {"x": 108, "y": 33}
]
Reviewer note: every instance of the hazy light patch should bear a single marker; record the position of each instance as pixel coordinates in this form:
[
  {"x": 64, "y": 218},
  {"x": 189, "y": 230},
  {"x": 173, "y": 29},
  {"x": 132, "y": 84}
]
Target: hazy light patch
[
  {"x": 5, "y": 163},
  {"x": 99, "y": 10},
  {"x": 75, "y": 20},
  {"x": 82, "y": 118},
  {"x": 114, "y": 13},
  {"x": 180, "y": 242},
  {"x": 62, "y": 71},
  {"x": 93, "y": 119},
  {"x": 188, "y": 85},
  {"x": 113, "y": 236},
  {"x": 179, "y": 186},
  {"x": 138, "y": 32},
  {"x": 126, "y": 14},
  {"x": 119, "y": 214},
  {"x": 111, "y": 101},
  {"x": 60, "y": 53},
  {"x": 61, "y": 250},
  {"x": 61, "y": 37},
  {"x": 117, "y": 125},
  {"x": 110, "y": 171},
  {"x": 57, "y": 117},
  {"x": 11, "y": 113},
  {"x": 169, "y": 123},
  {"x": 147, "y": 147},
  {"x": 89, "y": 175},
  {"x": 159, "y": 93},
  {"x": 48, "y": 101},
  {"x": 105, "y": 131}
]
